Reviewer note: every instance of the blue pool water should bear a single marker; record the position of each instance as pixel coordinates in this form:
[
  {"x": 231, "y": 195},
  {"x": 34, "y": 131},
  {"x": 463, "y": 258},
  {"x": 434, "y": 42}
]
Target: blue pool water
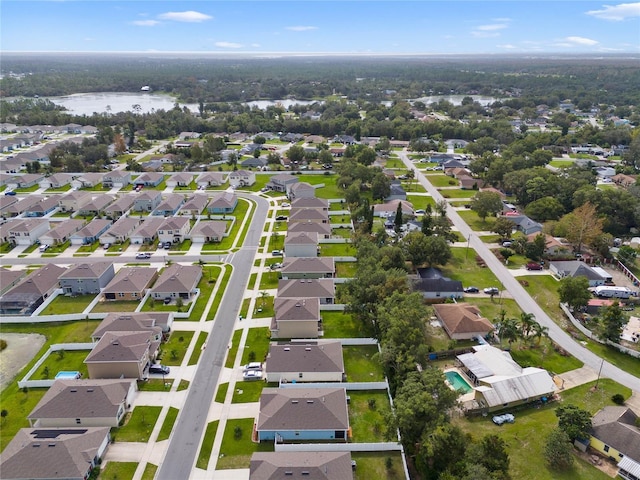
[
  {"x": 68, "y": 375},
  {"x": 458, "y": 382}
]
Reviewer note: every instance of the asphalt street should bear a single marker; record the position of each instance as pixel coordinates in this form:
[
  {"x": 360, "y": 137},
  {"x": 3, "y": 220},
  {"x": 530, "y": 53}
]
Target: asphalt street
[
  {"x": 522, "y": 297},
  {"x": 192, "y": 421}
]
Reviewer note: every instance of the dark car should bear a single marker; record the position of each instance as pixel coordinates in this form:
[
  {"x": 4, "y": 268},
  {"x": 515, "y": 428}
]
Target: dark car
[
  {"x": 491, "y": 291},
  {"x": 167, "y": 300},
  {"x": 471, "y": 290},
  {"x": 533, "y": 266},
  {"x": 281, "y": 217},
  {"x": 157, "y": 368},
  {"x": 10, "y": 192}
]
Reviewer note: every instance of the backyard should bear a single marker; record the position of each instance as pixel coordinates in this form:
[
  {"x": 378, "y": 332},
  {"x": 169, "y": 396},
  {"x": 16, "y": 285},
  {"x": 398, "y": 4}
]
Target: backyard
[
  {"x": 367, "y": 413},
  {"x": 237, "y": 447},
  {"x": 337, "y": 324},
  {"x": 526, "y": 437},
  {"x": 360, "y": 364},
  {"x": 64, "y": 305}
]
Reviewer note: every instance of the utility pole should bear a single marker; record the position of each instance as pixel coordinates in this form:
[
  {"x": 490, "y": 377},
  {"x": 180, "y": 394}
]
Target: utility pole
[
  {"x": 466, "y": 253},
  {"x": 599, "y": 372}
]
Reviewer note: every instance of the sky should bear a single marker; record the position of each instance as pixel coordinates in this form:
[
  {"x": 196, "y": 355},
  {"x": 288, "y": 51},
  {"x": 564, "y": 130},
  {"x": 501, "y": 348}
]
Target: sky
[{"x": 321, "y": 27}]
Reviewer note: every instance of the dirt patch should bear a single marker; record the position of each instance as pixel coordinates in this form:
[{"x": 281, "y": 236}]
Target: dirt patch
[{"x": 21, "y": 348}]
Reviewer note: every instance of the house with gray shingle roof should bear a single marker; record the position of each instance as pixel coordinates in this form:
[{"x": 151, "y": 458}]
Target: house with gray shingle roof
[
  {"x": 96, "y": 206},
  {"x": 181, "y": 179},
  {"x": 84, "y": 278},
  {"x": 242, "y": 178},
  {"x": 42, "y": 208},
  {"x": 208, "y": 231},
  {"x": 195, "y": 204},
  {"x": 87, "y": 403},
  {"x": 27, "y": 231},
  {"x": 133, "y": 322},
  {"x": 301, "y": 244},
  {"x": 60, "y": 232},
  {"x": 147, "y": 231},
  {"x": 211, "y": 179},
  {"x": 169, "y": 206},
  {"x": 124, "y": 354},
  {"x": 322, "y": 229},
  {"x": 120, "y": 231},
  {"x": 576, "y": 268},
  {"x": 75, "y": 200},
  {"x": 282, "y": 182},
  {"x": 309, "y": 361},
  {"x": 302, "y": 190},
  {"x": 296, "y": 318},
  {"x": 32, "y": 291},
  {"x": 308, "y": 267},
  {"x": 130, "y": 283},
  {"x": 69, "y": 453},
  {"x": 322, "y": 288},
  {"x": 309, "y": 215},
  {"x": 116, "y": 179},
  {"x": 615, "y": 433},
  {"x": 177, "y": 281},
  {"x": 87, "y": 180},
  {"x": 223, "y": 202},
  {"x": 57, "y": 180},
  {"x": 90, "y": 232},
  {"x": 316, "y": 465},
  {"x": 294, "y": 414},
  {"x": 174, "y": 229},
  {"x": 147, "y": 201},
  {"x": 310, "y": 202},
  {"x": 149, "y": 179},
  {"x": 120, "y": 206}
]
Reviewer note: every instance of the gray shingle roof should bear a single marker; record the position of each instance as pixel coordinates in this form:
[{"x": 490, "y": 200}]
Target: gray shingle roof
[
  {"x": 301, "y": 465},
  {"x": 322, "y": 356}
]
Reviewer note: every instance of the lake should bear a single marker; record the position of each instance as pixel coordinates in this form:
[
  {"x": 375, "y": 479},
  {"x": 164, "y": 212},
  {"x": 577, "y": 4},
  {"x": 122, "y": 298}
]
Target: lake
[
  {"x": 114, "y": 102},
  {"x": 455, "y": 99}
]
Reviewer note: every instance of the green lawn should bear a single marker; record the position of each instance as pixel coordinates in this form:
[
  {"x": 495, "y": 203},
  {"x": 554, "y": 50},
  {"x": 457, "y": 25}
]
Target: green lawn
[
  {"x": 442, "y": 180},
  {"x": 360, "y": 364},
  {"x": 342, "y": 232},
  {"x": 373, "y": 465},
  {"x": 19, "y": 404},
  {"x": 138, "y": 426},
  {"x": 236, "y": 448},
  {"x": 269, "y": 280},
  {"x": 6, "y": 247},
  {"x": 207, "y": 445},
  {"x": 525, "y": 438},
  {"x": 227, "y": 242},
  {"x": 155, "y": 385},
  {"x": 118, "y": 471},
  {"x": 149, "y": 471},
  {"x": 420, "y": 202},
  {"x": 543, "y": 356},
  {"x": 257, "y": 342},
  {"x": 338, "y": 324},
  {"x": 228, "y": 269},
  {"x": 247, "y": 392},
  {"x": 475, "y": 222},
  {"x": 63, "y": 305},
  {"x": 337, "y": 250},
  {"x": 346, "y": 269},
  {"x": 394, "y": 163},
  {"x": 367, "y": 410},
  {"x": 252, "y": 281},
  {"x": 167, "y": 425},
  {"x": 64, "y": 188},
  {"x": 174, "y": 350},
  {"x": 457, "y": 193},
  {"x": 221, "y": 393},
  {"x": 463, "y": 267},
  {"x": 63, "y": 361},
  {"x": 562, "y": 163},
  {"x": 92, "y": 247},
  {"x": 59, "y": 248},
  {"x": 491, "y": 309},
  {"x": 263, "y": 307},
  {"x": 197, "y": 351},
  {"x": 115, "y": 306},
  {"x": 233, "y": 350},
  {"x": 330, "y": 189}
]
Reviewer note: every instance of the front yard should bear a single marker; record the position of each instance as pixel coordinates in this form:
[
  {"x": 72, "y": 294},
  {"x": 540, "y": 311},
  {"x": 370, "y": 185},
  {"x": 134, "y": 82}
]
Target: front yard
[
  {"x": 463, "y": 267},
  {"x": 174, "y": 350},
  {"x": 237, "y": 447},
  {"x": 138, "y": 426}
]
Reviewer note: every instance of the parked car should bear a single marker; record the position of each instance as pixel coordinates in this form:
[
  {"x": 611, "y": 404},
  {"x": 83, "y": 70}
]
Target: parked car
[
  {"x": 143, "y": 256},
  {"x": 106, "y": 246},
  {"x": 471, "y": 290},
  {"x": 10, "y": 193},
  {"x": 281, "y": 217},
  {"x": 533, "y": 266},
  {"x": 285, "y": 205},
  {"x": 167, "y": 300},
  {"x": 420, "y": 211},
  {"x": 157, "y": 368},
  {"x": 275, "y": 266},
  {"x": 250, "y": 375},
  {"x": 506, "y": 243},
  {"x": 276, "y": 253},
  {"x": 43, "y": 248},
  {"x": 166, "y": 245},
  {"x": 505, "y": 418},
  {"x": 491, "y": 291},
  {"x": 252, "y": 366}
]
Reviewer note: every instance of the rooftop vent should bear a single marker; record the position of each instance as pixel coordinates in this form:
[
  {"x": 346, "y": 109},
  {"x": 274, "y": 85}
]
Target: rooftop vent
[
  {"x": 286, "y": 349},
  {"x": 308, "y": 349},
  {"x": 294, "y": 401}
]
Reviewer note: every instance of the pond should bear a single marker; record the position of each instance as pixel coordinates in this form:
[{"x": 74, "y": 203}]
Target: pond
[{"x": 115, "y": 102}]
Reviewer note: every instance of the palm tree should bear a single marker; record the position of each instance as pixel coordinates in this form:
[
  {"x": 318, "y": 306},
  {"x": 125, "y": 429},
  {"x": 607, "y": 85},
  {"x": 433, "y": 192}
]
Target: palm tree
[
  {"x": 539, "y": 331},
  {"x": 509, "y": 331},
  {"x": 526, "y": 323}
]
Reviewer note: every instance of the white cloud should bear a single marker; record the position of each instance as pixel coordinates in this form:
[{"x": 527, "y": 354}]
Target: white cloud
[
  {"x": 507, "y": 46},
  {"x": 617, "y": 12},
  {"x": 489, "y": 30},
  {"x": 582, "y": 41},
  {"x": 502, "y": 20},
  {"x": 145, "y": 23},
  {"x": 492, "y": 27},
  {"x": 301, "y": 28},
  {"x": 189, "y": 16},
  {"x": 228, "y": 45},
  {"x": 256, "y": 45}
]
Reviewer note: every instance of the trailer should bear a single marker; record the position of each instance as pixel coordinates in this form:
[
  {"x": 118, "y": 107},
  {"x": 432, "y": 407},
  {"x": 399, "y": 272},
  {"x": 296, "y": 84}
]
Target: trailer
[{"x": 612, "y": 292}]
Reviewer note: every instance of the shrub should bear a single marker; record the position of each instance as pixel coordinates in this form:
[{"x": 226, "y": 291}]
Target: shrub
[
  {"x": 618, "y": 399},
  {"x": 372, "y": 403},
  {"x": 237, "y": 432},
  {"x": 3, "y": 344}
]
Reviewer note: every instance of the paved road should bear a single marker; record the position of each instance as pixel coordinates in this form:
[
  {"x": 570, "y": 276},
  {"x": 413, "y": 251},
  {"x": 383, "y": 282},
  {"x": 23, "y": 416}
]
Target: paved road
[
  {"x": 522, "y": 297},
  {"x": 192, "y": 421}
]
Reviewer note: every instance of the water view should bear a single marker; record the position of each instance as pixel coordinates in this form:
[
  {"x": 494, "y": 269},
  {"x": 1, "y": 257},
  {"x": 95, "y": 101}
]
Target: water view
[{"x": 114, "y": 102}]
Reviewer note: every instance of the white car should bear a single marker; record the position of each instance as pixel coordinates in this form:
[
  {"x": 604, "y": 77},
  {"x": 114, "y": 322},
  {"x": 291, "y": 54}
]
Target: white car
[
  {"x": 285, "y": 205},
  {"x": 505, "y": 418},
  {"x": 143, "y": 256},
  {"x": 252, "y": 366},
  {"x": 250, "y": 375}
]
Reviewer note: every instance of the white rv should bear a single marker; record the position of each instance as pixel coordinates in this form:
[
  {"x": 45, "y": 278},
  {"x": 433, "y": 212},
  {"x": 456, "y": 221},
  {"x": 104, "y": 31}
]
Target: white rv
[{"x": 612, "y": 292}]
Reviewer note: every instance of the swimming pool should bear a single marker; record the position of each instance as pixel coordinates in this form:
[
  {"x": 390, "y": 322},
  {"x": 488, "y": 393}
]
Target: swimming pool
[
  {"x": 68, "y": 375},
  {"x": 458, "y": 382}
]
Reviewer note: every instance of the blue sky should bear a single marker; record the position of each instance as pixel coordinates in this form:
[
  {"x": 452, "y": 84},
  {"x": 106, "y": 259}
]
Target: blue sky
[{"x": 308, "y": 26}]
